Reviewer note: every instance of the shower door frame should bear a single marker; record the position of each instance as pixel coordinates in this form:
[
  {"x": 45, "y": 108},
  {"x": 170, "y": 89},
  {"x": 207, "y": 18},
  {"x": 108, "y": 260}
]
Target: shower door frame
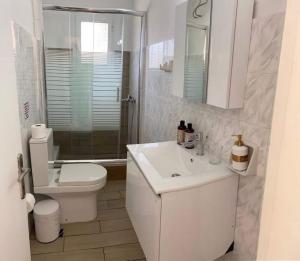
[{"x": 142, "y": 15}]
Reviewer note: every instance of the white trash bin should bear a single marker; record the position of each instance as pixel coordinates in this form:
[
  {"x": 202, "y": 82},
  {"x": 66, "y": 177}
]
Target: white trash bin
[{"x": 46, "y": 220}]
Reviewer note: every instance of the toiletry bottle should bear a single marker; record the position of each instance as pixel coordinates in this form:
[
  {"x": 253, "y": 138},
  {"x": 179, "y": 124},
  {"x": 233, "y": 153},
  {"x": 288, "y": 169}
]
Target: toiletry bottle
[
  {"x": 181, "y": 133},
  {"x": 239, "y": 154},
  {"x": 189, "y": 137}
]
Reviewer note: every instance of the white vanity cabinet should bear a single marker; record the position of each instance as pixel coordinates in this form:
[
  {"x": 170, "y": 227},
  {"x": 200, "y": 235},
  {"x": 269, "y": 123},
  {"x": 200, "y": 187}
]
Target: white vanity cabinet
[
  {"x": 194, "y": 224},
  {"x": 144, "y": 209}
]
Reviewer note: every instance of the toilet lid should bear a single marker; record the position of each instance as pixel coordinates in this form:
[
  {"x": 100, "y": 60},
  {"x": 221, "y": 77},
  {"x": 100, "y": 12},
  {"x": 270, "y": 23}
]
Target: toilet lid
[{"x": 81, "y": 174}]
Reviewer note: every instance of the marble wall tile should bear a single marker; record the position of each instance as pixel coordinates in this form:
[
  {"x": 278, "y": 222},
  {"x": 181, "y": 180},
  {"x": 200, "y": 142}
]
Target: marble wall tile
[
  {"x": 266, "y": 44},
  {"x": 256, "y": 110},
  {"x": 28, "y": 80},
  {"x": 248, "y": 215},
  {"x": 162, "y": 113}
]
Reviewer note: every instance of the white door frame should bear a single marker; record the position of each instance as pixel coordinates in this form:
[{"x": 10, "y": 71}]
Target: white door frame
[{"x": 14, "y": 235}]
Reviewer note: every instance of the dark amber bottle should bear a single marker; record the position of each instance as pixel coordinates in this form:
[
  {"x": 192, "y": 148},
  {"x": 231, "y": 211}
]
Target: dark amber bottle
[
  {"x": 189, "y": 137},
  {"x": 181, "y": 133}
]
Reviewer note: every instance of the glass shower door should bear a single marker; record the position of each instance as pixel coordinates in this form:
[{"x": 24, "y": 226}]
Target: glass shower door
[{"x": 87, "y": 76}]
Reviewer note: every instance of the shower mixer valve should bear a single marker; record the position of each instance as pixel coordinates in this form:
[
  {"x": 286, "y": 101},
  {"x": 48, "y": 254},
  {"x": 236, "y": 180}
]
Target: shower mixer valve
[{"x": 129, "y": 99}]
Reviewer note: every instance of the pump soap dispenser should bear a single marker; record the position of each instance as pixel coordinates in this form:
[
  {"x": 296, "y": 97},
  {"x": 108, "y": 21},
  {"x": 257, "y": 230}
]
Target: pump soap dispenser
[{"x": 239, "y": 154}]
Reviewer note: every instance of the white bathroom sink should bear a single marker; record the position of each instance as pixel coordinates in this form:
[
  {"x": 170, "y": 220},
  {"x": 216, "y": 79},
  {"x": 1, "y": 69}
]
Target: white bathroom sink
[{"x": 168, "y": 167}]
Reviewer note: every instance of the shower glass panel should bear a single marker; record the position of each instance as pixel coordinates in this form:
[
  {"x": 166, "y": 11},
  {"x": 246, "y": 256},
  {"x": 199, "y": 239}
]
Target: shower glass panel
[{"x": 92, "y": 66}]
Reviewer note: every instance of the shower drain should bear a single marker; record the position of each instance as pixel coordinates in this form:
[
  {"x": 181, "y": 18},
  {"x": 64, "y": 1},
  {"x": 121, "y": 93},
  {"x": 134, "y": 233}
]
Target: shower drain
[{"x": 175, "y": 175}]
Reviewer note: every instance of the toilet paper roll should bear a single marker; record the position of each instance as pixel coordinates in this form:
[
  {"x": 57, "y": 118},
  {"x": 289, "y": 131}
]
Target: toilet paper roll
[
  {"x": 38, "y": 131},
  {"x": 30, "y": 202}
]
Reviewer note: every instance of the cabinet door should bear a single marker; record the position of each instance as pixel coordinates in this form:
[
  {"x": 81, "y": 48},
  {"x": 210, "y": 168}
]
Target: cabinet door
[
  {"x": 144, "y": 208},
  {"x": 229, "y": 50},
  {"x": 197, "y": 224}
]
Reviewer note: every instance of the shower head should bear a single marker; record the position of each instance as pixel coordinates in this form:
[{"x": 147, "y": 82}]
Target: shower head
[{"x": 195, "y": 12}]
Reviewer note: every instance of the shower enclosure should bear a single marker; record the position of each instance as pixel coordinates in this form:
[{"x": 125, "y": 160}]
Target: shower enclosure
[{"x": 92, "y": 68}]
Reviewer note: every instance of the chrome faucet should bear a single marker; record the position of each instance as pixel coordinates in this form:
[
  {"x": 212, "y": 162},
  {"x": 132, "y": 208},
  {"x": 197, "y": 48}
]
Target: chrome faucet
[{"x": 201, "y": 140}]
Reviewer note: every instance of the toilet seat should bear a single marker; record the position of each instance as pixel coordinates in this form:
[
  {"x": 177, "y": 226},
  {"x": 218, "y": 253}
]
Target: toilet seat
[
  {"x": 81, "y": 175},
  {"x": 88, "y": 183}
]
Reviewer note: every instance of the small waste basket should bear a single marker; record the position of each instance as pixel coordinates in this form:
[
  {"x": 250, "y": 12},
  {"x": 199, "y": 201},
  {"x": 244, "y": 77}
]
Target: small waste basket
[{"x": 46, "y": 220}]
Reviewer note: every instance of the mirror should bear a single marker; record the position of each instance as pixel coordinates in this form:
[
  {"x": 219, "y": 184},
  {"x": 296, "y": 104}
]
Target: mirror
[
  {"x": 191, "y": 49},
  {"x": 196, "y": 50},
  {"x": 211, "y": 50}
]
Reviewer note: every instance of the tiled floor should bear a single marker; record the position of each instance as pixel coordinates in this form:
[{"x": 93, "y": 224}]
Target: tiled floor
[{"x": 109, "y": 238}]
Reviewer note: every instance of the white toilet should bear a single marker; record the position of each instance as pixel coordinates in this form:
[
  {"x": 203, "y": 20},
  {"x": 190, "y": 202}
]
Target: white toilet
[{"x": 74, "y": 186}]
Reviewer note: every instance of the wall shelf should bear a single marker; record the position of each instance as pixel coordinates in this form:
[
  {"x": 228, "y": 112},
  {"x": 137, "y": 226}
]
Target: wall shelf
[{"x": 252, "y": 166}]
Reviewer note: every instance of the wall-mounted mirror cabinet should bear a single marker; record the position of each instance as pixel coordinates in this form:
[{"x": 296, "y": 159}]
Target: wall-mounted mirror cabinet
[{"x": 212, "y": 40}]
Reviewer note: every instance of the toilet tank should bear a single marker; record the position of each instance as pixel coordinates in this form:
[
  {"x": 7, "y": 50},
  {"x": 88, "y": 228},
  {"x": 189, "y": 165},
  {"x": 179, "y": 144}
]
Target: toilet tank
[{"x": 41, "y": 151}]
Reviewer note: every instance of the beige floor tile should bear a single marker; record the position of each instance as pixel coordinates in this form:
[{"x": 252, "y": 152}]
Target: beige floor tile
[
  {"x": 110, "y": 214},
  {"x": 81, "y": 228},
  {"x": 124, "y": 253},
  {"x": 99, "y": 240},
  {"x": 40, "y": 248},
  {"x": 83, "y": 255},
  {"x": 115, "y": 185},
  {"x": 123, "y": 193},
  {"x": 103, "y": 195},
  {"x": 116, "y": 203},
  {"x": 111, "y": 204},
  {"x": 115, "y": 225},
  {"x": 102, "y": 204}
]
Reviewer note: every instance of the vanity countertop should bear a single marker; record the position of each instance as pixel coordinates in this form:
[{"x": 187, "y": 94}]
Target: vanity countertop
[{"x": 168, "y": 166}]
